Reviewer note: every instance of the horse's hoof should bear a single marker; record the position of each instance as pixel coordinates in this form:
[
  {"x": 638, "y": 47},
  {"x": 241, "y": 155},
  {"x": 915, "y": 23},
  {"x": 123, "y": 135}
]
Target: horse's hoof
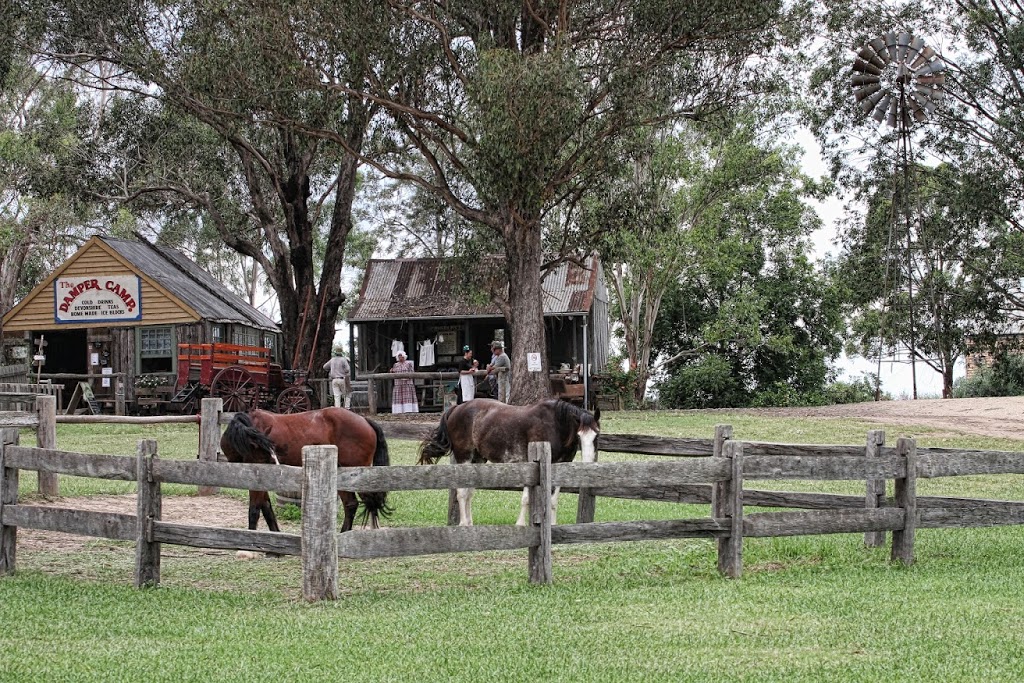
[{"x": 246, "y": 555}]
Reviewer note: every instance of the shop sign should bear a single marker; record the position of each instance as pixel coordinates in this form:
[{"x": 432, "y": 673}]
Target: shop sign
[{"x": 97, "y": 298}]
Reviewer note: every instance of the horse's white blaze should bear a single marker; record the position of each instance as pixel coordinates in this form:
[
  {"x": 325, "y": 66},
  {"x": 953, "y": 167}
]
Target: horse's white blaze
[
  {"x": 465, "y": 498},
  {"x": 273, "y": 456},
  {"x": 588, "y": 438}
]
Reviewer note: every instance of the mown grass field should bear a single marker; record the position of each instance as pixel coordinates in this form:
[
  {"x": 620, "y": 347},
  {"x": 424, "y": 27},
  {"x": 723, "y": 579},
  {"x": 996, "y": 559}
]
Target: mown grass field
[{"x": 807, "y": 609}]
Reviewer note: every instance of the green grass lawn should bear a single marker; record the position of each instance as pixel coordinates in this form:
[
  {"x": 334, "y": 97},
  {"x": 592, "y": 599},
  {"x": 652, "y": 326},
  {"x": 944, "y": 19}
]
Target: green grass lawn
[{"x": 807, "y": 608}]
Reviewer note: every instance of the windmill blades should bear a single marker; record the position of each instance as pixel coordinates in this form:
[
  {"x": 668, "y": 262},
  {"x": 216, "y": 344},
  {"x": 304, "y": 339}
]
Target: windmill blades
[
  {"x": 922, "y": 59},
  {"x": 867, "y": 91},
  {"x": 898, "y": 79},
  {"x": 877, "y": 45},
  {"x": 890, "y": 44},
  {"x": 866, "y": 67},
  {"x": 872, "y": 102},
  {"x": 864, "y": 79},
  {"x": 902, "y": 41},
  {"x": 917, "y": 111},
  {"x": 879, "y": 113},
  {"x": 869, "y": 55}
]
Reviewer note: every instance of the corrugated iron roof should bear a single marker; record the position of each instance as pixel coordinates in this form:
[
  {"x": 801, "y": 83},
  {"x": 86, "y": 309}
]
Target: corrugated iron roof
[
  {"x": 186, "y": 280},
  {"x": 429, "y": 288}
]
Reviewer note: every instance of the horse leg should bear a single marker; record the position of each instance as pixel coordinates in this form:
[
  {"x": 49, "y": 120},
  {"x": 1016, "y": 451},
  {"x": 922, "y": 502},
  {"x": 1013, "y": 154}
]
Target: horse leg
[
  {"x": 350, "y": 504},
  {"x": 268, "y": 514},
  {"x": 465, "y": 498},
  {"x": 524, "y": 508},
  {"x": 256, "y": 501}
]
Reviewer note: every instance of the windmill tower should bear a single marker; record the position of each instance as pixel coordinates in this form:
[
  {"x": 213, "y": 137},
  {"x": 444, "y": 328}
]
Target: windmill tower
[{"x": 898, "y": 79}]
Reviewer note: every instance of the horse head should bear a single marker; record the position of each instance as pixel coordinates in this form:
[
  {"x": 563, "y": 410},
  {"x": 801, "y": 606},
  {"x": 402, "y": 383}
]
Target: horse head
[
  {"x": 581, "y": 428},
  {"x": 243, "y": 442}
]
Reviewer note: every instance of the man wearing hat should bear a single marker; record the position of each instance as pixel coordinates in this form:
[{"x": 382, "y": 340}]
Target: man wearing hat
[
  {"x": 467, "y": 381},
  {"x": 340, "y": 372},
  {"x": 501, "y": 360}
]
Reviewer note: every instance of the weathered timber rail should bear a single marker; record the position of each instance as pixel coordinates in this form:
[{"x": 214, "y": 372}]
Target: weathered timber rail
[{"x": 704, "y": 471}]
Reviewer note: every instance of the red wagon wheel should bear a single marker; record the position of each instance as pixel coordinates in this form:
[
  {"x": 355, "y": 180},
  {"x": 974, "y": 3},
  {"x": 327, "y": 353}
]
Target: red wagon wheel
[
  {"x": 235, "y": 385},
  {"x": 293, "y": 400}
]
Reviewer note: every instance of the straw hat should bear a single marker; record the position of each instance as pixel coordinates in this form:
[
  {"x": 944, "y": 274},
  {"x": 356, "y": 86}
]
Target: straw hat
[{"x": 497, "y": 344}]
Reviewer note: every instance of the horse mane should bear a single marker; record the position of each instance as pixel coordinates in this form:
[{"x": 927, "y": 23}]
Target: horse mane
[{"x": 567, "y": 413}]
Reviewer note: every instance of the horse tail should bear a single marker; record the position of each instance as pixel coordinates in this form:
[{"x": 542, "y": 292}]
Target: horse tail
[
  {"x": 243, "y": 440},
  {"x": 380, "y": 456},
  {"x": 437, "y": 445},
  {"x": 376, "y": 503}
]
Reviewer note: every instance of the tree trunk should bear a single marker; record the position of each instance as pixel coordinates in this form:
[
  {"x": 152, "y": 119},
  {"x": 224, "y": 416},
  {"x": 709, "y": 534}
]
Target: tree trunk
[{"x": 526, "y": 310}]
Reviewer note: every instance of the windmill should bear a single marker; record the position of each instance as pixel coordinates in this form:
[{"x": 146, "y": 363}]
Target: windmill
[{"x": 899, "y": 80}]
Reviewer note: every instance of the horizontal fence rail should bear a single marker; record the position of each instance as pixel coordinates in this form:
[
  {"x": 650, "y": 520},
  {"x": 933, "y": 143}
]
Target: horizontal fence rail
[{"x": 713, "y": 472}]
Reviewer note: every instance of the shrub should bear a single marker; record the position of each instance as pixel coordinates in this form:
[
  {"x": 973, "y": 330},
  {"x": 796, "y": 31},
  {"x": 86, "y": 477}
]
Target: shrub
[{"x": 1004, "y": 378}]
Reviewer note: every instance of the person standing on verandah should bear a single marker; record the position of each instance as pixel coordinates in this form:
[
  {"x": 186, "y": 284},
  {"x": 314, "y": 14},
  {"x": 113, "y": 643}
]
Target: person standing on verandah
[
  {"x": 403, "y": 396},
  {"x": 340, "y": 372},
  {"x": 467, "y": 382}
]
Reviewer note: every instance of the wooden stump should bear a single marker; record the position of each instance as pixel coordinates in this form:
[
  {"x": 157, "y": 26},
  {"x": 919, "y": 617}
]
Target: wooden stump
[{"x": 319, "y": 523}]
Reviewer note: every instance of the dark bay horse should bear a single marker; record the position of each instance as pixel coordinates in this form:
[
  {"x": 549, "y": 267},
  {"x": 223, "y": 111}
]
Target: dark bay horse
[
  {"x": 484, "y": 430},
  {"x": 264, "y": 438}
]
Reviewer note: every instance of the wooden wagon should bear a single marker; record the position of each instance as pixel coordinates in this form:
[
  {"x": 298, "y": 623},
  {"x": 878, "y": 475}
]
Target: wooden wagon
[{"x": 243, "y": 376}]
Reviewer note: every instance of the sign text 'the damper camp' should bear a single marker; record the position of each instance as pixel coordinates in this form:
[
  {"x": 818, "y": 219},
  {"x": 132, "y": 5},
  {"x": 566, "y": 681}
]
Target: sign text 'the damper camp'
[{"x": 97, "y": 298}]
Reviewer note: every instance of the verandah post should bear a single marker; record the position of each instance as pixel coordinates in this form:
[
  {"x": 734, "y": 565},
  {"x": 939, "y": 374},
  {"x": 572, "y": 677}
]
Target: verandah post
[
  {"x": 148, "y": 509},
  {"x": 319, "y": 523},
  {"x": 906, "y": 498},
  {"x": 540, "y": 513},
  {"x": 46, "y": 437},
  {"x": 8, "y": 496},
  {"x": 875, "y": 494}
]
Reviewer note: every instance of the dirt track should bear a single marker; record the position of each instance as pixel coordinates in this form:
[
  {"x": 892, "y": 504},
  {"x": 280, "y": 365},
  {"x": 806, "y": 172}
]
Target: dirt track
[{"x": 999, "y": 417}]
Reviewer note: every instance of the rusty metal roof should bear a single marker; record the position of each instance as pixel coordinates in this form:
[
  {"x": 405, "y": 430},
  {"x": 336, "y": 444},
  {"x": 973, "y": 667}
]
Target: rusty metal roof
[{"x": 407, "y": 289}]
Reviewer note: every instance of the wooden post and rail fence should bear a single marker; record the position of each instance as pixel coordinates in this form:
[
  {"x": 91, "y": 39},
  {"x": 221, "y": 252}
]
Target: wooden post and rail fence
[{"x": 712, "y": 471}]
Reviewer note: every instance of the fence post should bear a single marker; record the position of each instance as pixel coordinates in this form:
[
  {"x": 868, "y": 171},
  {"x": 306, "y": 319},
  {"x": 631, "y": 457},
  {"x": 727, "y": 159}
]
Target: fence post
[
  {"x": 719, "y": 489},
  {"x": 209, "y": 435},
  {"x": 46, "y": 437},
  {"x": 875, "y": 494},
  {"x": 730, "y": 549},
  {"x": 119, "y": 406},
  {"x": 319, "y": 522},
  {"x": 8, "y": 496},
  {"x": 540, "y": 513},
  {"x": 148, "y": 509},
  {"x": 906, "y": 498},
  {"x": 371, "y": 396}
]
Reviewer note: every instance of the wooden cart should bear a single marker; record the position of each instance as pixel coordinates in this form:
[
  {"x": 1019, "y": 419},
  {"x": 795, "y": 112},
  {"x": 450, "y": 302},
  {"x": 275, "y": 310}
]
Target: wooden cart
[{"x": 243, "y": 376}]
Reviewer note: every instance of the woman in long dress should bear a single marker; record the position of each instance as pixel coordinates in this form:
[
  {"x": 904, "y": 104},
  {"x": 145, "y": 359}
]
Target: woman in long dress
[{"x": 403, "y": 396}]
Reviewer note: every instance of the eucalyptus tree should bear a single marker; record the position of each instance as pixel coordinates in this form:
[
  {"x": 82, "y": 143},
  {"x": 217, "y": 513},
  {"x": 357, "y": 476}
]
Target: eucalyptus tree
[
  {"x": 964, "y": 268},
  {"x": 514, "y": 106},
  {"x": 44, "y": 147},
  {"x": 746, "y": 313},
  {"x": 213, "y": 87}
]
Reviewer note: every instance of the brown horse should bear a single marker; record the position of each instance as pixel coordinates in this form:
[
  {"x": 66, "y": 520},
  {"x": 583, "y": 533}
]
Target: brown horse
[
  {"x": 264, "y": 437},
  {"x": 484, "y": 430}
]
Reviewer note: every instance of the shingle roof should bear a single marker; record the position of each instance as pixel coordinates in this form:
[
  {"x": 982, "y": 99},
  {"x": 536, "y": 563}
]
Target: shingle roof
[
  {"x": 186, "y": 280},
  {"x": 429, "y": 288}
]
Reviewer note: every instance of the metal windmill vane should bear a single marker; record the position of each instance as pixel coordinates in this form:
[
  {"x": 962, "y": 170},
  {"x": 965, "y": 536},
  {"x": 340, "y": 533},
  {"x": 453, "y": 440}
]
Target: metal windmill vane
[{"x": 896, "y": 78}]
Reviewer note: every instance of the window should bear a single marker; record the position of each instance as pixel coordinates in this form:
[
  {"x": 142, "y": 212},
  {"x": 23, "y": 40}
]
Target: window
[
  {"x": 244, "y": 336},
  {"x": 217, "y": 334},
  {"x": 156, "y": 349},
  {"x": 268, "y": 340}
]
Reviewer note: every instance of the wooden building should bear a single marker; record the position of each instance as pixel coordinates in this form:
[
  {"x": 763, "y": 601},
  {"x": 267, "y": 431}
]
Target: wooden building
[
  {"x": 426, "y": 302},
  {"x": 123, "y": 306}
]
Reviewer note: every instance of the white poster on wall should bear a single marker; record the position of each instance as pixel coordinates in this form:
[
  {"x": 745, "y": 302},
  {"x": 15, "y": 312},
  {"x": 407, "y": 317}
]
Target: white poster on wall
[
  {"x": 97, "y": 298},
  {"x": 533, "y": 362}
]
